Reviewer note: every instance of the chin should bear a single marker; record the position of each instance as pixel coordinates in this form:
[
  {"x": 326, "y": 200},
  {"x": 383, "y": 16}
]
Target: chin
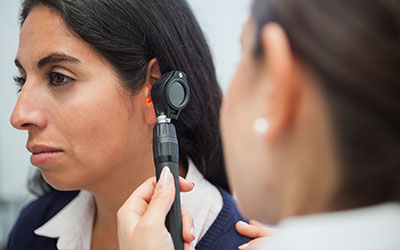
[{"x": 62, "y": 183}]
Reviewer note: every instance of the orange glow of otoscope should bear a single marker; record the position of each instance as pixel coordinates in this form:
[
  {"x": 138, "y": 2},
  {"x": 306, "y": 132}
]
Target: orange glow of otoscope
[{"x": 148, "y": 99}]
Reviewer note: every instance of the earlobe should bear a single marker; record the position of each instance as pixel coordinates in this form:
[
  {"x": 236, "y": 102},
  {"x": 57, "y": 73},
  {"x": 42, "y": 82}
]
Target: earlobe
[
  {"x": 148, "y": 108},
  {"x": 282, "y": 91}
]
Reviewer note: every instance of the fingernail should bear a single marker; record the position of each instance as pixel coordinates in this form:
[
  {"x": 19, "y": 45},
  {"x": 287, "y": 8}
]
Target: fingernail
[
  {"x": 244, "y": 246},
  {"x": 165, "y": 177},
  {"x": 243, "y": 224}
]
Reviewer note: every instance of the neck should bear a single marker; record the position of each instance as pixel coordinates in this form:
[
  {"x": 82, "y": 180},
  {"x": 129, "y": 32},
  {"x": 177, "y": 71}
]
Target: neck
[
  {"x": 111, "y": 194},
  {"x": 314, "y": 170}
]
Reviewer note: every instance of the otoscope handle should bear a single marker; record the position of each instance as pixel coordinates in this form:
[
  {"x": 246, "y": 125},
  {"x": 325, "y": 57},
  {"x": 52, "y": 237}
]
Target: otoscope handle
[{"x": 166, "y": 154}]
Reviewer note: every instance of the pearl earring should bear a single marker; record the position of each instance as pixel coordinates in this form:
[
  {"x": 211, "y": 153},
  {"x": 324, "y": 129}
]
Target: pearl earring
[{"x": 260, "y": 126}]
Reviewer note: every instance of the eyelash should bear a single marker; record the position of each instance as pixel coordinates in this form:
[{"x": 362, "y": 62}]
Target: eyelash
[{"x": 20, "y": 81}]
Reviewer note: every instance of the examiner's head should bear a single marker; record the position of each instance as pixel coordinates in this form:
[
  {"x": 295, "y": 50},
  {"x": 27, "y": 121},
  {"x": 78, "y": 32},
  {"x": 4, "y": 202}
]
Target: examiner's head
[
  {"x": 311, "y": 121},
  {"x": 85, "y": 72}
]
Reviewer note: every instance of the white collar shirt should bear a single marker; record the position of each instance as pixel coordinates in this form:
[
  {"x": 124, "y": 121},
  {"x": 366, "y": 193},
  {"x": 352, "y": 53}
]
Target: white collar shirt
[
  {"x": 73, "y": 224},
  {"x": 374, "y": 227}
]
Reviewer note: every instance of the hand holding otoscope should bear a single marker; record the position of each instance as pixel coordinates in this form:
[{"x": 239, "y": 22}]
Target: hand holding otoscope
[{"x": 170, "y": 94}]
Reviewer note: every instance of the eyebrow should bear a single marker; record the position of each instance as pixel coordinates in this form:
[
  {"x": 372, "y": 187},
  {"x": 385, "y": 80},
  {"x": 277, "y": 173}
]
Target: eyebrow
[
  {"x": 56, "y": 58},
  {"x": 52, "y": 58}
]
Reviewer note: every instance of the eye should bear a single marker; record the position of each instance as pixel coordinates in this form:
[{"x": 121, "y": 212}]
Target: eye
[
  {"x": 58, "y": 79},
  {"x": 20, "y": 81}
]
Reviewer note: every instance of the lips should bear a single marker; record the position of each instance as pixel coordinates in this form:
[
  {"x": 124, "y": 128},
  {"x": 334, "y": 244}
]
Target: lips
[{"x": 42, "y": 154}]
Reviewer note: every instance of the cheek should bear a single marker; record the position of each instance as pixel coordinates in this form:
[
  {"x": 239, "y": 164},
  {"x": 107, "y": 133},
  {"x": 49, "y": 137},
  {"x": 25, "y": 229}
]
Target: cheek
[
  {"x": 98, "y": 127},
  {"x": 101, "y": 136},
  {"x": 235, "y": 104},
  {"x": 236, "y": 119},
  {"x": 231, "y": 115},
  {"x": 237, "y": 114},
  {"x": 246, "y": 153}
]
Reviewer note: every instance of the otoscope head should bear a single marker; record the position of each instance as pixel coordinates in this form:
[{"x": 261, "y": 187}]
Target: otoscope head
[{"x": 170, "y": 94}]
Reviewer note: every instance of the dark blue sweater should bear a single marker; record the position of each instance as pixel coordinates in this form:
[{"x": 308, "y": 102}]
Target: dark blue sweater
[{"x": 221, "y": 235}]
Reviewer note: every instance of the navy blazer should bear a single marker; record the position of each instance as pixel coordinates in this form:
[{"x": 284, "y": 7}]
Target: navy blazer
[{"x": 221, "y": 235}]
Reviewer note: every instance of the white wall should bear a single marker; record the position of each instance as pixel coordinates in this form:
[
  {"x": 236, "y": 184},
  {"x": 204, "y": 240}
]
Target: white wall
[
  {"x": 14, "y": 158},
  {"x": 221, "y": 21}
]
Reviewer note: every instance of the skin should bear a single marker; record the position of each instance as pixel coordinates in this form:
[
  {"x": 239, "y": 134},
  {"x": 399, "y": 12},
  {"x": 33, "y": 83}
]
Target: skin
[
  {"x": 103, "y": 133},
  {"x": 295, "y": 154},
  {"x": 285, "y": 164},
  {"x": 143, "y": 214},
  {"x": 255, "y": 230}
]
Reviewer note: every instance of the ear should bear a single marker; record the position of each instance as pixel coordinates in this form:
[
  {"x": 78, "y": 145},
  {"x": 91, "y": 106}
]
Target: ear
[
  {"x": 152, "y": 75},
  {"x": 283, "y": 90}
]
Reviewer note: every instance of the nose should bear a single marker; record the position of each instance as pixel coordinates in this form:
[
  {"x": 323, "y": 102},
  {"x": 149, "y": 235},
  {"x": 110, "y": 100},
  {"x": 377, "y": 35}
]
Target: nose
[{"x": 28, "y": 113}]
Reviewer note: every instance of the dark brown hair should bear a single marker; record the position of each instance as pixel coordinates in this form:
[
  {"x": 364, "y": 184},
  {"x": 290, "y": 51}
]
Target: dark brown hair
[
  {"x": 129, "y": 33},
  {"x": 353, "y": 48}
]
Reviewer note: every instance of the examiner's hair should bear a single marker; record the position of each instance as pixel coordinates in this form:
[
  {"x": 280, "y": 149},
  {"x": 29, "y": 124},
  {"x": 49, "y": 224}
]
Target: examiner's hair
[
  {"x": 352, "y": 47},
  {"x": 129, "y": 33}
]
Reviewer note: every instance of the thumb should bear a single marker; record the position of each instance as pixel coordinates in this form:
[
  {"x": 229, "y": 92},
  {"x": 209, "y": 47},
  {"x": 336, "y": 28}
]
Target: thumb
[{"x": 162, "y": 199}]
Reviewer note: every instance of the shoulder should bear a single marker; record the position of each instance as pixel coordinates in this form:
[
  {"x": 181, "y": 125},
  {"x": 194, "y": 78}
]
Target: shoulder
[
  {"x": 222, "y": 234},
  {"x": 34, "y": 215}
]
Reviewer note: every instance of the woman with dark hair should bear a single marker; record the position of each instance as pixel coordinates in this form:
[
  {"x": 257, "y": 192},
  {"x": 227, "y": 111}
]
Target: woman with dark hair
[
  {"x": 85, "y": 72},
  {"x": 310, "y": 127}
]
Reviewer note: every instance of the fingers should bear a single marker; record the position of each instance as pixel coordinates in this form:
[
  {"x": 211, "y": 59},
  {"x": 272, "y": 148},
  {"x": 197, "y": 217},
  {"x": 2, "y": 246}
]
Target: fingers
[
  {"x": 188, "y": 229},
  {"x": 143, "y": 192},
  {"x": 187, "y": 225},
  {"x": 131, "y": 212},
  {"x": 253, "y": 244},
  {"x": 144, "y": 212},
  {"x": 136, "y": 205},
  {"x": 256, "y": 223},
  {"x": 253, "y": 231},
  {"x": 162, "y": 199},
  {"x": 184, "y": 185},
  {"x": 187, "y": 246}
]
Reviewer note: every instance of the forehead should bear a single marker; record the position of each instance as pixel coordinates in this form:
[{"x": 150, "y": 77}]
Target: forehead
[{"x": 43, "y": 32}]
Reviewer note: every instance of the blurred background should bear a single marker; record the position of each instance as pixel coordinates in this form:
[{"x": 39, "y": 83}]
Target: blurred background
[{"x": 221, "y": 21}]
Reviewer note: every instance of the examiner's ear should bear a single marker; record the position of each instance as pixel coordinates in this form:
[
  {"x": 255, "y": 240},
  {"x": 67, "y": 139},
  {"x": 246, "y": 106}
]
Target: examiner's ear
[
  {"x": 283, "y": 85},
  {"x": 152, "y": 75}
]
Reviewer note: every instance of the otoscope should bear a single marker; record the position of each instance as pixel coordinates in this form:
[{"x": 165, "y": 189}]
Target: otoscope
[{"x": 170, "y": 94}]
